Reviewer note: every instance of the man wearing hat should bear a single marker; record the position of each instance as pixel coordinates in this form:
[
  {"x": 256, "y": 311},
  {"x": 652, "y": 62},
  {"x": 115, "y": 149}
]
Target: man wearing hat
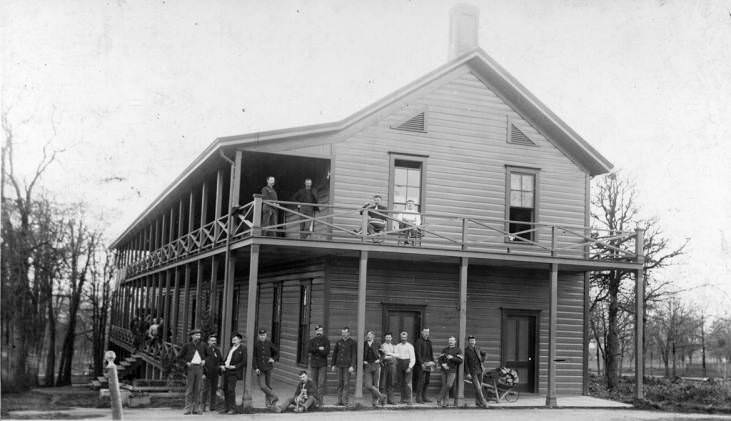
[
  {"x": 473, "y": 360},
  {"x": 211, "y": 368},
  {"x": 376, "y": 221},
  {"x": 193, "y": 355},
  {"x": 319, "y": 349},
  {"x": 265, "y": 353},
  {"x": 233, "y": 371}
]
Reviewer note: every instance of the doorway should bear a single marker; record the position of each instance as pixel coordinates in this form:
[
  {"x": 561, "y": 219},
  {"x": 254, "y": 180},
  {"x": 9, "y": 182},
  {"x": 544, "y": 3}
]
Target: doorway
[
  {"x": 519, "y": 346},
  {"x": 398, "y": 317}
]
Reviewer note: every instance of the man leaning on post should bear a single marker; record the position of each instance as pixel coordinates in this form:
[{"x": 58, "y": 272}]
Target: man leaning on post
[{"x": 193, "y": 355}]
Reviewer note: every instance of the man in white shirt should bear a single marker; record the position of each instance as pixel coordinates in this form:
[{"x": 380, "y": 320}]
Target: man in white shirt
[
  {"x": 233, "y": 370},
  {"x": 192, "y": 354},
  {"x": 405, "y": 360},
  {"x": 388, "y": 373}
]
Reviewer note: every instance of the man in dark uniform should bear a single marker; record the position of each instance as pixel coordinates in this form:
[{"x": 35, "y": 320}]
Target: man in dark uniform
[
  {"x": 450, "y": 358},
  {"x": 423, "y": 367},
  {"x": 192, "y": 355},
  {"x": 265, "y": 353},
  {"x": 473, "y": 360},
  {"x": 233, "y": 371},
  {"x": 305, "y": 396},
  {"x": 344, "y": 359},
  {"x": 376, "y": 221},
  {"x": 211, "y": 369},
  {"x": 319, "y": 349},
  {"x": 268, "y": 212},
  {"x": 306, "y": 195}
]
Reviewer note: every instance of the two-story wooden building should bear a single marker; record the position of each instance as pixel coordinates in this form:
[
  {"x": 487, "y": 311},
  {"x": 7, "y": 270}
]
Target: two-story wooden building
[{"x": 500, "y": 182}]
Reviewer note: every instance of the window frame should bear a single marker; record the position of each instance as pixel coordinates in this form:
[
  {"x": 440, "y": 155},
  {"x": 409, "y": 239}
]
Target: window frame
[
  {"x": 305, "y": 319},
  {"x": 535, "y": 172},
  {"x": 398, "y": 156}
]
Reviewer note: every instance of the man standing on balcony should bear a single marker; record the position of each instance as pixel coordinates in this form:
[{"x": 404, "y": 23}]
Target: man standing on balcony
[
  {"x": 405, "y": 360},
  {"x": 306, "y": 195},
  {"x": 344, "y": 358},
  {"x": 268, "y": 212},
  {"x": 265, "y": 353},
  {"x": 424, "y": 364},
  {"x": 192, "y": 355},
  {"x": 211, "y": 368},
  {"x": 233, "y": 371},
  {"x": 319, "y": 349}
]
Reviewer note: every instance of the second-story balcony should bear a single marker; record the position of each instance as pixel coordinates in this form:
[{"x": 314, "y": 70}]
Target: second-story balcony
[{"x": 334, "y": 225}]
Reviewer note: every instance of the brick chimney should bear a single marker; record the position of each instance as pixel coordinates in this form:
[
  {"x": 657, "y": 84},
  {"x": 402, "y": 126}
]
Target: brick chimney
[{"x": 464, "y": 21}]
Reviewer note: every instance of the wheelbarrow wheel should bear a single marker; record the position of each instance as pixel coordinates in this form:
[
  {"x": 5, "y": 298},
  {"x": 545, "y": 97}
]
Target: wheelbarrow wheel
[{"x": 512, "y": 395}]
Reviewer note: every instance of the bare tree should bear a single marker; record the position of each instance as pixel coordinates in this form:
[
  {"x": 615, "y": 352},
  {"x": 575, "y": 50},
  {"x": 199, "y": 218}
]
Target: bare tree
[
  {"x": 615, "y": 209},
  {"x": 98, "y": 298}
]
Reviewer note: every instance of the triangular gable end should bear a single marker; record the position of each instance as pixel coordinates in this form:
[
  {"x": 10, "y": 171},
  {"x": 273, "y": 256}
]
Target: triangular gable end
[{"x": 416, "y": 123}]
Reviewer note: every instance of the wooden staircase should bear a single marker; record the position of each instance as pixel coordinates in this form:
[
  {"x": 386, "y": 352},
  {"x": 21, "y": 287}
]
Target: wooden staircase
[{"x": 126, "y": 366}]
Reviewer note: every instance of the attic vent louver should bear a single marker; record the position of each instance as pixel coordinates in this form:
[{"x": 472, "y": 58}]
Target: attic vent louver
[
  {"x": 414, "y": 124},
  {"x": 517, "y": 136}
]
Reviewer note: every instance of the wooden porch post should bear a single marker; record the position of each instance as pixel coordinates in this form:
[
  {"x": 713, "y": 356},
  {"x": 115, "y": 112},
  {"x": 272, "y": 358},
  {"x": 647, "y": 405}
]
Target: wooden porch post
[
  {"x": 148, "y": 302},
  {"x": 212, "y": 292},
  {"x": 219, "y": 203},
  {"x": 552, "y": 325},
  {"x": 160, "y": 298},
  {"x": 360, "y": 335},
  {"x": 166, "y": 305},
  {"x": 250, "y": 320},
  {"x": 174, "y": 308},
  {"x": 186, "y": 299},
  {"x": 199, "y": 302},
  {"x": 228, "y": 298},
  {"x": 639, "y": 316},
  {"x": 464, "y": 262},
  {"x": 204, "y": 209},
  {"x": 236, "y": 180}
]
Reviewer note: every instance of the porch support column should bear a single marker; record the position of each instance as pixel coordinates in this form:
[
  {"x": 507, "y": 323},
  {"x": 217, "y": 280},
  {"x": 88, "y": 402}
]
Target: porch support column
[
  {"x": 552, "y": 324},
  {"x": 219, "y": 204},
  {"x": 174, "y": 308},
  {"x": 166, "y": 306},
  {"x": 639, "y": 316},
  {"x": 160, "y": 299},
  {"x": 250, "y": 327},
  {"x": 462, "y": 339},
  {"x": 212, "y": 291},
  {"x": 228, "y": 299},
  {"x": 360, "y": 335},
  {"x": 186, "y": 300},
  {"x": 199, "y": 302}
]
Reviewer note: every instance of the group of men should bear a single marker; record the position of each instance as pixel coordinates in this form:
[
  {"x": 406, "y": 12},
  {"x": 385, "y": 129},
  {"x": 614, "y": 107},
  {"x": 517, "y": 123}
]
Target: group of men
[
  {"x": 306, "y": 196},
  {"x": 387, "y": 368}
]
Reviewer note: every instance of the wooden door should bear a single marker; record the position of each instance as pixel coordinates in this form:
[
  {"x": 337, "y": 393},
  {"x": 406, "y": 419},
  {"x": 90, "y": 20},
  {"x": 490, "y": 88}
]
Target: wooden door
[
  {"x": 519, "y": 347},
  {"x": 398, "y": 320}
]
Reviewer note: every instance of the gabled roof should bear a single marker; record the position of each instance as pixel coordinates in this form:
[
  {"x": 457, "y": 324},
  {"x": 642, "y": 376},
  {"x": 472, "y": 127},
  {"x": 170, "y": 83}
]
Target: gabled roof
[{"x": 565, "y": 138}]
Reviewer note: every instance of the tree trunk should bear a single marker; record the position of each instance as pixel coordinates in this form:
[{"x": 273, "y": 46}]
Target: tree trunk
[
  {"x": 67, "y": 351},
  {"x": 612, "y": 345},
  {"x": 51, "y": 356}
]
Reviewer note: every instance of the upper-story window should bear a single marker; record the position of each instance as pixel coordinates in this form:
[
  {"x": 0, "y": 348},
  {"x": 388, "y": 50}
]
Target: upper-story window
[
  {"x": 406, "y": 183},
  {"x": 521, "y": 199}
]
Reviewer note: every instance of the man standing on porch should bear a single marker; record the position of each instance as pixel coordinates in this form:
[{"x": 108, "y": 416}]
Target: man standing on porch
[
  {"x": 424, "y": 363},
  {"x": 268, "y": 212},
  {"x": 233, "y": 371},
  {"x": 344, "y": 358},
  {"x": 372, "y": 368},
  {"x": 449, "y": 360},
  {"x": 405, "y": 360},
  {"x": 265, "y": 353},
  {"x": 473, "y": 360},
  {"x": 212, "y": 367},
  {"x": 192, "y": 354},
  {"x": 319, "y": 349},
  {"x": 306, "y": 195},
  {"x": 388, "y": 371}
]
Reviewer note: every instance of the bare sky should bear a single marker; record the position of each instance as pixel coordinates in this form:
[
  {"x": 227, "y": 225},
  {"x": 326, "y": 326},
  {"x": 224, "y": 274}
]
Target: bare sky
[{"x": 134, "y": 90}]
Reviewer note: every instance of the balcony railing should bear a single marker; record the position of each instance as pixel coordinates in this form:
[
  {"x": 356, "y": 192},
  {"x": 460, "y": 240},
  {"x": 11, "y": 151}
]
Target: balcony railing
[{"x": 348, "y": 224}]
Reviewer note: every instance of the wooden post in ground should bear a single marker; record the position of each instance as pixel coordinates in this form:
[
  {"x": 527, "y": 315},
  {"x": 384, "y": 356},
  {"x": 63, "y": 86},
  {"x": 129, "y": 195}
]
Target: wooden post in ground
[
  {"x": 250, "y": 326},
  {"x": 360, "y": 333},
  {"x": 114, "y": 395},
  {"x": 552, "y": 326},
  {"x": 462, "y": 340}
]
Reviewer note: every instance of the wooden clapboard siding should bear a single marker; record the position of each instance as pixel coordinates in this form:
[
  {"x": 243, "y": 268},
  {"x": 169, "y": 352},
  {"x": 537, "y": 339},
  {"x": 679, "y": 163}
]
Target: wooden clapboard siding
[
  {"x": 467, "y": 156},
  {"x": 489, "y": 289}
]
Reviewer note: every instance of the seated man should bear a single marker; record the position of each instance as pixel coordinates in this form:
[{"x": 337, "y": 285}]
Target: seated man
[
  {"x": 305, "y": 396},
  {"x": 410, "y": 222},
  {"x": 376, "y": 221}
]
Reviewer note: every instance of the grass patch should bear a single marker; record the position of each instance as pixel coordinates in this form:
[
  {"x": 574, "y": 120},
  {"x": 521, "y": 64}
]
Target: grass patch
[{"x": 675, "y": 394}]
